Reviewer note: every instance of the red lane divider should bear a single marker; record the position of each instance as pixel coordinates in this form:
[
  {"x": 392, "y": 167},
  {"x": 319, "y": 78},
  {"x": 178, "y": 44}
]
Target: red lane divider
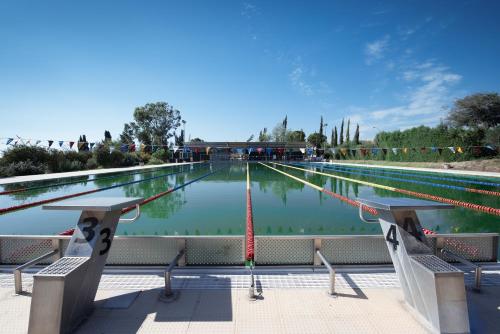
[
  {"x": 481, "y": 191},
  {"x": 250, "y": 253},
  {"x": 55, "y": 199},
  {"x": 477, "y": 207},
  {"x": 152, "y": 198},
  {"x": 50, "y": 200},
  {"x": 350, "y": 201}
]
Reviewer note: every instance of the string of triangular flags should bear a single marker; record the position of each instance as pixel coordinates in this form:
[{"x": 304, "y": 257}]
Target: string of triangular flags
[{"x": 68, "y": 143}]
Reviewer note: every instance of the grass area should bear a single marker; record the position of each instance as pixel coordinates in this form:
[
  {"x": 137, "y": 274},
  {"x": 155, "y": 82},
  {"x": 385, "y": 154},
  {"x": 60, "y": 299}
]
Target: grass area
[{"x": 485, "y": 165}]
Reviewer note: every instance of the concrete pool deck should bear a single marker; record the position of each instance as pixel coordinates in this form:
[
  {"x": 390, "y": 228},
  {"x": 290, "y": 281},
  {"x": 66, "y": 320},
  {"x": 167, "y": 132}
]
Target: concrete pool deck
[
  {"x": 215, "y": 300},
  {"x": 419, "y": 169},
  {"x": 52, "y": 176}
]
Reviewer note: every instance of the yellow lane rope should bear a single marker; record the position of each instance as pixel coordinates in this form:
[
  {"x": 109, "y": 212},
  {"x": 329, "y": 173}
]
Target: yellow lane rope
[{"x": 467, "y": 205}]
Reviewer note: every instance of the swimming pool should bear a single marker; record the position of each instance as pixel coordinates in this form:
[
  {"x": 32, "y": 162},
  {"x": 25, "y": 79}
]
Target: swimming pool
[{"x": 215, "y": 203}]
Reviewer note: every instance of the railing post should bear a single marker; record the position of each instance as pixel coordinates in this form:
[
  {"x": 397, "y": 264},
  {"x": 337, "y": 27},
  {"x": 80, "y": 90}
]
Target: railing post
[
  {"x": 57, "y": 245},
  {"x": 181, "y": 247},
  {"x": 18, "y": 281},
  {"x": 331, "y": 288},
  {"x": 317, "y": 247}
]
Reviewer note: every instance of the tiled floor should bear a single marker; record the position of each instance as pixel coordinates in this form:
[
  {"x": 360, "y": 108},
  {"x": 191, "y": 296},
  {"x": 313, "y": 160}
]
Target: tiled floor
[{"x": 292, "y": 301}]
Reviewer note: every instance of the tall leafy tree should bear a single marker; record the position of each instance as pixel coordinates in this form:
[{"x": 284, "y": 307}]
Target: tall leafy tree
[
  {"x": 297, "y": 136},
  {"x": 356, "y": 135},
  {"x": 481, "y": 110},
  {"x": 264, "y": 136},
  {"x": 279, "y": 133},
  {"x": 127, "y": 136},
  {"x": 155, "y": 123},
  {"x": 285, "y": 122},
  {"x": 341, "y": 138},
  {"x": 347, "y": 132},
  {"x": 316, "y": 139}
]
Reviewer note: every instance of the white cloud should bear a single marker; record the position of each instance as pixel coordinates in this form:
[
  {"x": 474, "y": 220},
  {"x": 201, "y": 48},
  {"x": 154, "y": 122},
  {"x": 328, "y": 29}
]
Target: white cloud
[
  {"x": 376, "y": 49},
  {"x": 429, "y": 92},
  {"x": 298, "y": 81},
  {"x": 248, "y": 10}
]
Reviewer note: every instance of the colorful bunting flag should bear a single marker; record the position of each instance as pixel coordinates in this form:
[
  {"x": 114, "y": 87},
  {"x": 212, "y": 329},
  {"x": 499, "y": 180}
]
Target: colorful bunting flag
[
  {"x": 434, "y": 149},
  {"x": 423, "y": 149},
  {"x": 132, "y": 148},
  {"x": 38, "y": 142},
  {"x": 395, "y": 150},
  {"x": 71, "y": 143},
  {"x": 374, "y": 151},
  {"x": 61, "y": 143},
  {"x": 343, "y": 151},
  {"x": 9, "y": 140},
  {"x": 452, "y": 149},
  {"x": 50, "y": 142},
  {"x": 405, "y": 150},
  {"x": 384, "y": 150},
  {"x": 440, "y": 150},
  {"x": 124, "y": 148},
  {"x": 459, "y": 149}
]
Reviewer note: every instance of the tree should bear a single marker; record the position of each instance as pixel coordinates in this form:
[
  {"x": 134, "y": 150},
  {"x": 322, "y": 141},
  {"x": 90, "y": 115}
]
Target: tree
[
  {"x": 127, "y": 135},
  {"x": 341, "y": 139},
  {"x": 481, "y": 110},
  {"x": 316, "y": 139},
  {"x": 296, "y": 136},
  {"x": 107, "y": 136},
  {"x": 347, "y": 132},
  {"x": 197, "y": 140},
  {"x": 321, "y": 126},
  {"x": 156, "y": 123},
  {"x": 264, "y": 136},
  {"x": 82, "y": 145},
  {"x": 250, "y": 138},
  {"x": 356, "y": 135},
  {"x": 285, "y": 122},
  {"x": 334, "y": 137},
  {"x": 279, "y": 132},
  {"x": 179, "y": 140}
]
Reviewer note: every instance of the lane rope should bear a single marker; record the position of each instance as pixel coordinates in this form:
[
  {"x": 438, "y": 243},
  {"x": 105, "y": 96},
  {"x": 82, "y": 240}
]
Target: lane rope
[
  {"x": 250, "y": 240},
  {"x": 439, "y": 185},
  {"x": 347, "y": 200},
  {"x": 154, "y": 197},
  {"x": 390, "y": 171},
  {"x": 467, "y": 205},
  {"x": 59, "y": 198},
  {"x": 14, "y": 191}
]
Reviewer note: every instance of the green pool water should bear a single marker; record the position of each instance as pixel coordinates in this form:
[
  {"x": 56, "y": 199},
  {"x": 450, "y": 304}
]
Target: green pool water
[{"x": 216, "y": 205}]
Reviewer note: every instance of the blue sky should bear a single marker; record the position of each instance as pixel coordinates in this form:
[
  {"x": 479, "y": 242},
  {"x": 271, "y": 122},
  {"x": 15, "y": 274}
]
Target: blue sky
[{"x": 233, "y": 67}]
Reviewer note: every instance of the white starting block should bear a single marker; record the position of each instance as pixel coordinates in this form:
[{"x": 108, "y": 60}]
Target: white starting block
[
  {"x": 64, "y": 292},
  {"x": 431, "y": 286}
]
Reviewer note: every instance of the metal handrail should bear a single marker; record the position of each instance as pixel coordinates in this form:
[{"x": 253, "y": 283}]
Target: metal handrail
[
  {"x": 331, "y": 271},
  {"x": 168, "y": 274},
  {"x": 363, "y": 218},
  {"x": 477, "y": 269},
  {"x": 18, "y": 283},
  {"x": 131, "y": 220}
]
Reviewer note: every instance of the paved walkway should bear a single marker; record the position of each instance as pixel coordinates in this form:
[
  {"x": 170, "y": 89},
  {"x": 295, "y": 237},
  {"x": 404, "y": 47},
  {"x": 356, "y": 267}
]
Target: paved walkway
[
  {"x": 42, "y": 177},
  {"x": 216, "y": 301}
]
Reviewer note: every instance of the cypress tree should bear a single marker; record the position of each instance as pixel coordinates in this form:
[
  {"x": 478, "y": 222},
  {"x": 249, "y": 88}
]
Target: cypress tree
[
  {"x": 356, "y": 135},
  {"x": 341, "y": 139},
  {"x": 336, "y": 138},
  {"x": 347, "y": 132}
]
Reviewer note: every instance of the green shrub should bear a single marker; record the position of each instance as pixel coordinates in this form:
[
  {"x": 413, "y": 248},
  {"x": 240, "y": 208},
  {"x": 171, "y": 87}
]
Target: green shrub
[
  {"x": 91, "y": 164},
  {"x": 102, "y": 155},
  {"x": 130, "y": 159},
  {"x": 116, "y": 158},
  {"x": 155, "y": 161},
  {"x": 19, "y": 153},
  {"x": 161, "y": 154},
  {"x": 26, "y": 167}
]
